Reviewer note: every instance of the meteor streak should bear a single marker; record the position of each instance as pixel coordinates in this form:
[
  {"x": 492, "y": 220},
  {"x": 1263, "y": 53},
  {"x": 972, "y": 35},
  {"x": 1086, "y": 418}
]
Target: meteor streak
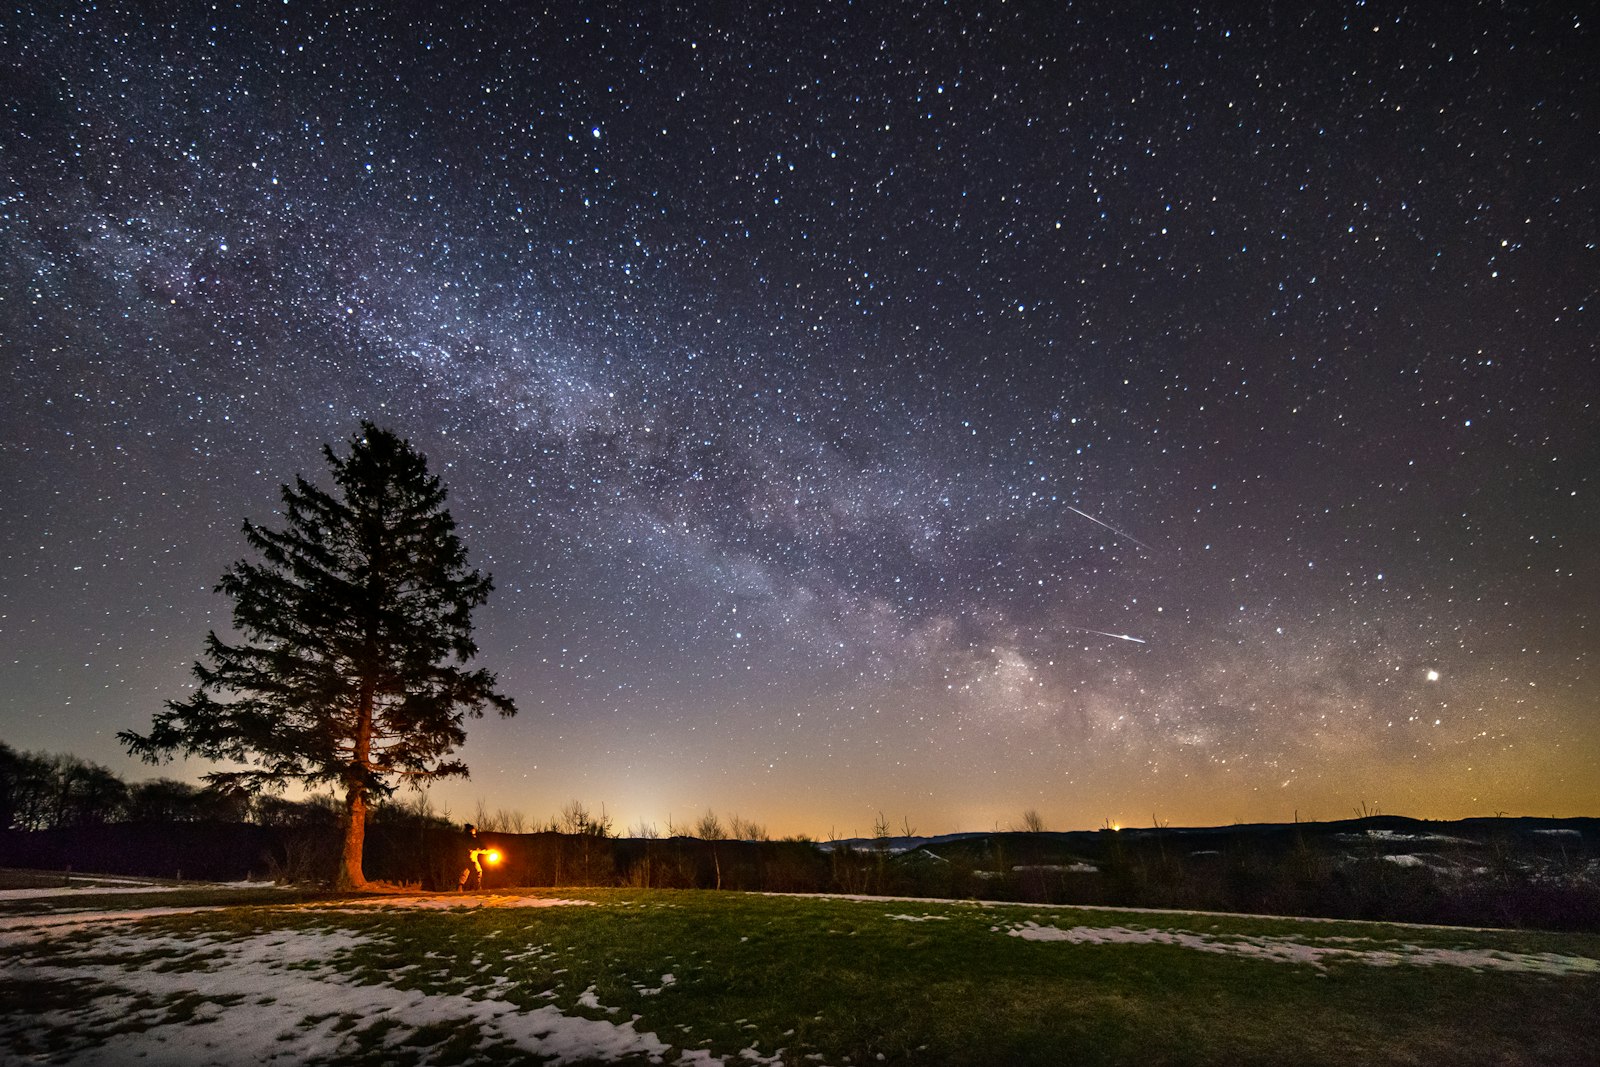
[
  {"x": 1119, "y": 637},
  {"x": 1113, "y": 529}
]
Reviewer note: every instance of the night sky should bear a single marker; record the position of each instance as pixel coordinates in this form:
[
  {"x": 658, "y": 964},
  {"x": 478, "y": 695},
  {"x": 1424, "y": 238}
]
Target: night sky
[{"x": 943, "y": 410}]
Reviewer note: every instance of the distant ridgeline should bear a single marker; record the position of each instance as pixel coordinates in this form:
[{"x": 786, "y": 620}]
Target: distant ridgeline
[{"x": 1491, "y": 871}]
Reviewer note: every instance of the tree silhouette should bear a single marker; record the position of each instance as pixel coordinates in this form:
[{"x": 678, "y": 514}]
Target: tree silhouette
[{"x": 355, "y": 625}]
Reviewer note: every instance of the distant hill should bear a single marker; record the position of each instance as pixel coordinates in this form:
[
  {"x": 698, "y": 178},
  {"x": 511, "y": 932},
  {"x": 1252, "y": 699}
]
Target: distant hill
[{"x": 1391, "y": 833}]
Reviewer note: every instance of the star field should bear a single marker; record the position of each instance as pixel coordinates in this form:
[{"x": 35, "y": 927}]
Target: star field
[{"x": 947, "y": 409}]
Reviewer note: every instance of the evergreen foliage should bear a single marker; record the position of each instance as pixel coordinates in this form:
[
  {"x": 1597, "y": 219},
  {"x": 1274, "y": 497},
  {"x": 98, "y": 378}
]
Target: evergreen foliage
[{"x": 356, "y": 625}]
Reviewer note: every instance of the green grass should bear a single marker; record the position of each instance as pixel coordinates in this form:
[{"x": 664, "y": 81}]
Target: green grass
[{"x": 845, "y": 981}]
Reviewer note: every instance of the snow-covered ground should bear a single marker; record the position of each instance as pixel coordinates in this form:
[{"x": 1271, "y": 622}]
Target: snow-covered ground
[
  {"x": 868, "y": 898},
  {"x": 281, "y": 997},
  {"x": 292, "y": 1005},
  {"x": 1319, "y": 954},
  {"x": 120, "y": 887},
  {"x": 1397, "y": 836},
  {"x": 127, "y": 994}
]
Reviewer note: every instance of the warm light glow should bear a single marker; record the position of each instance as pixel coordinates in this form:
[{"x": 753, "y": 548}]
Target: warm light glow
[{"x": 493, "y": 856}]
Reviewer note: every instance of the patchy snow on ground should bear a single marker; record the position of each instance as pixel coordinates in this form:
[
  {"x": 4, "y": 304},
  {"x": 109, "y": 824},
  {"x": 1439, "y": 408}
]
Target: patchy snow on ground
[
  {"x": 1331, "y": 950},
  {"x": 292, "y": 1007},
  {"x": 100, "y": 885},
  {"x": 125, "y": 994},
  {"x": 103, "y": 884},
  {"x": 41, "y": 926},
  {"x": 1396, "y": 835},
  {"x": 36, "y": 892},
  {"x": 281, "y": 998},
  {"x": 667, "y": 979},
  {"x": 1406, "y": 860},
  {"x": 1118, "y": 909}
]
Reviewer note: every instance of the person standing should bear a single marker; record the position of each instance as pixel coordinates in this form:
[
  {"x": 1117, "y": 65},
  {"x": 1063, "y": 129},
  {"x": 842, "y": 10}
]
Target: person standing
[{"x": 473, "y": 871}]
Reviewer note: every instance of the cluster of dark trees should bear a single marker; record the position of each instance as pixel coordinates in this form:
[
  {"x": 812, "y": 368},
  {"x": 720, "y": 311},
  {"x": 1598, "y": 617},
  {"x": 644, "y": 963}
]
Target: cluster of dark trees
[
  {"x": 46, "y": 791},
  {"x": 60, "y": 812}
]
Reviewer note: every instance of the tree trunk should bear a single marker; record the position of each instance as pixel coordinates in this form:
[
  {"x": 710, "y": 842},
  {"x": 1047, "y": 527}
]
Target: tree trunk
[
  {"x": 355, "y": 835},
  {"x": 355, "y": 805}
]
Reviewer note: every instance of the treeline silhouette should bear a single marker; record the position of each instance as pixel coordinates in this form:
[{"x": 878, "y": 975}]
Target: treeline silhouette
[
  {"x": 45, "y": 791},
  {"x": 62, "y": 814}
]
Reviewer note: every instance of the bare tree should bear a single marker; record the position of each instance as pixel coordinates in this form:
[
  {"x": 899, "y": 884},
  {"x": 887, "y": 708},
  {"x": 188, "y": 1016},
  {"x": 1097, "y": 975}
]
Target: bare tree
[
  {"x": 575, "y": 818},
  {"x": 709, "y": 827},
  {"x": 1032, "y": 822},
  {"x": 742, "y": 829},
  {"x": 880, "y": 839},
  {"x": 483, "y": 818}
]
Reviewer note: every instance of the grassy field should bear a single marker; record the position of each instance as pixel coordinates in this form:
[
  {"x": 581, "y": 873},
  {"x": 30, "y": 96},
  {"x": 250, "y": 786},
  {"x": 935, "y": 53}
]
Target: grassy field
[{"x": 702, "y": 977}]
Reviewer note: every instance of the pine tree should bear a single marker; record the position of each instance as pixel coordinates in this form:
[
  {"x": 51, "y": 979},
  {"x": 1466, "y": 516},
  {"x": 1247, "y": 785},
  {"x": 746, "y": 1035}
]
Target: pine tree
[{"x": 355, "y": 626}]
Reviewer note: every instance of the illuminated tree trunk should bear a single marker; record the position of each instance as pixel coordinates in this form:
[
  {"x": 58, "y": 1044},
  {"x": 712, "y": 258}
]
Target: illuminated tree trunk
[
  {"x": 351, "y": 875},
  {"x": 355, "y": 836}
]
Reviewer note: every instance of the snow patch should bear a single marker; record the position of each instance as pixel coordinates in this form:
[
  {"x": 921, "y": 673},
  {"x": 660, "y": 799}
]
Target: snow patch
[
  {"x": 1287, "y": 950},
  {"x": 667, "y": 979},
  {"x": 1395, "y": 835},
  {"x": 91, "y": 890},
  {"x": 293, "y": 1006},
  {"x": 100, "y": 885}
]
